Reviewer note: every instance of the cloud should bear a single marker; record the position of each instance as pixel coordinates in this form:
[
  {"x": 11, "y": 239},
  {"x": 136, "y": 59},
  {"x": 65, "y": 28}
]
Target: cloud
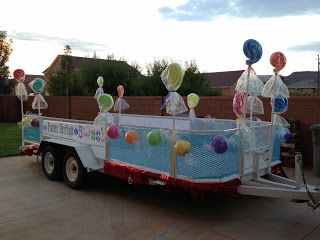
[
  {"x": 205, "y": 10},
  {"x": 75, "y": 44},
  {"x": 312, "y": 46}
]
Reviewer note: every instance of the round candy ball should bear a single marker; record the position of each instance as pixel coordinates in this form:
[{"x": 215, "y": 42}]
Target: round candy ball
[
  {"x": 26, "y": 121},
  {"x": 182, "y": 147},
  {"x": 219, "y": 144},
  {"x": 112, "y": 131},
  {"x": 154, "y": 138},
  {"x": 35, "y": 122},
  {"x": 131, "y": 137}
]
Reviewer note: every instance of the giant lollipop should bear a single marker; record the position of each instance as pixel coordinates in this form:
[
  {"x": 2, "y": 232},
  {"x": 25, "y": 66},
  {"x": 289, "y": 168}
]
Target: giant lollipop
[
  {"x": 37, "y": 86},
  {"x": 172, "y": 78},
  {"x": 120, "y": 104},
  {"x": 192, "y": 101},
  {"x": 99, "y": 91}
]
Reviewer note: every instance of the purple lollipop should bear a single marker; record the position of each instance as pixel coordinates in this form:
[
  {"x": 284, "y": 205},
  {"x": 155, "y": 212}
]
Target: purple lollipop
[{"x": 219, "y": 144}]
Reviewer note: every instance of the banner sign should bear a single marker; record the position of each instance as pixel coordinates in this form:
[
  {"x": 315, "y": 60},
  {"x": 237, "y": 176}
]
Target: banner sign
[{"x": 76, "y": 131}]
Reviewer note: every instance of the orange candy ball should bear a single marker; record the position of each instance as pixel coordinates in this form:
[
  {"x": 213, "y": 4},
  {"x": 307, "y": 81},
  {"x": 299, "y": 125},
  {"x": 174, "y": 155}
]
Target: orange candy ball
[{"x": 131, "y": 137}]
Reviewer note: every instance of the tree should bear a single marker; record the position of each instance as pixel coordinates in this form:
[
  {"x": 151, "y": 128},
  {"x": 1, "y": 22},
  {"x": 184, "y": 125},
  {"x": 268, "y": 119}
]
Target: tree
[{"x": 6, "y": 84}]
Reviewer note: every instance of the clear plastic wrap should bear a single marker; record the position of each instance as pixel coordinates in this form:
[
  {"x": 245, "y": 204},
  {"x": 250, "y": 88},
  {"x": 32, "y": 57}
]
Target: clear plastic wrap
[
  {"x": 120, "y": 105},
  {"x": 104, "y": 118},
  {"x": 21, "y": 91},
  {"x": 249, "y": 83},
  {"x": 39, "y": 102},
  {"x": 273, "y": 86},
  {"x": 172, "y": 78},
  {"x": 99, "y": 91},
  {"x": 279, "y": 121},
  {"x": 257, "y": 105}
]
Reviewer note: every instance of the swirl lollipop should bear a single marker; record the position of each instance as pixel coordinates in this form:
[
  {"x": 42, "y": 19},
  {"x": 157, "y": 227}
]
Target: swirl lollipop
[
  {"x": 172, "y": 78},
  {"x": 20, "y": 89},
  {"x": 278, "y": 60},
  {"x": 253, "y": 51},
  {"x": 105, "y": 102},
  {"x": 37, "y": 86},
  {"x": 192, "y": 101},
  {"x": 120, "y": 104}
]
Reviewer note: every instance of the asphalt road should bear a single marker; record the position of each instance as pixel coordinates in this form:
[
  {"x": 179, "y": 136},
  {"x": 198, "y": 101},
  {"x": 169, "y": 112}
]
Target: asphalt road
[{"x": 32, "y": 207}]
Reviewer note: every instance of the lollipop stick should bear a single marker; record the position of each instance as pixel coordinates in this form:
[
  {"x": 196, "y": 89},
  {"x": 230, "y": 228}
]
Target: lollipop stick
[
  {"x": 22, "y": 132},
  {"x": 39, "y": 106}
]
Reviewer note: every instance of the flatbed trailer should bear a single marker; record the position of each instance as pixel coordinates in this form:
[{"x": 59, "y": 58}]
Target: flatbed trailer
[{"x": 73, "y": 148}]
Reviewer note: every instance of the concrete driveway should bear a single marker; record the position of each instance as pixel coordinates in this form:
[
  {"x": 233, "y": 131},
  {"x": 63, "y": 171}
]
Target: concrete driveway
[{"x": 32, "y": 207}]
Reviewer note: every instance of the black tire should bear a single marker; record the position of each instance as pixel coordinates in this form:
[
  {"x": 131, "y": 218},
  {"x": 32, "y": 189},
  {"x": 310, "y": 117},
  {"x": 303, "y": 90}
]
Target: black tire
[
  {"x": 51, "y": 163},
  {"x": 73, "y": 171}
]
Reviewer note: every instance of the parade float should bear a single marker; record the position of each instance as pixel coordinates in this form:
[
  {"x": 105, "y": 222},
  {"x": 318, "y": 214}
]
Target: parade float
[{"x": 201, "y": 155}]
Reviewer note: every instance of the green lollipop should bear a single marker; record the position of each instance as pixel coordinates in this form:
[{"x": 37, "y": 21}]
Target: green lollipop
[
  {"x": 172, "y": 76},
  {"x": 192, "y": 100},
  {"x": 105, "y": 102},
  {"x": 100, "y": 81}
]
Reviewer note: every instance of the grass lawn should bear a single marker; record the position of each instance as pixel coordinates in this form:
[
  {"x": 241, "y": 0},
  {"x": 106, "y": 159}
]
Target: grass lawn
[{"x": 10, "y": 139}]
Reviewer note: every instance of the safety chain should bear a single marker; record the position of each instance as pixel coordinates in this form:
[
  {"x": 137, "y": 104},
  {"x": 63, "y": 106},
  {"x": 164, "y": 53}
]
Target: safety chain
[{"x": 312, "y": 202}]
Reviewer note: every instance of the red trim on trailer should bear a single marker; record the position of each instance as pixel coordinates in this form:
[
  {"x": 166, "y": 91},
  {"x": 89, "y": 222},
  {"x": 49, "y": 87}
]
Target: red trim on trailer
[{"x": 139, "y": 176}]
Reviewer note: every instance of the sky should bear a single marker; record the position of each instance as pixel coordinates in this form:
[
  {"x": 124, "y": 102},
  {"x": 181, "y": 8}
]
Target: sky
[{"x": 211, "y": 32}]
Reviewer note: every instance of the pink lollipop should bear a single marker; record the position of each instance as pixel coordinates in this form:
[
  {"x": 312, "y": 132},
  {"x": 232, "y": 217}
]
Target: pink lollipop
[
  {"x": 278, "y": 60},
  {"x": 19, "y": 75},
  {"x": 120, "y": 90},
  {"x": 238, "y": 103}
]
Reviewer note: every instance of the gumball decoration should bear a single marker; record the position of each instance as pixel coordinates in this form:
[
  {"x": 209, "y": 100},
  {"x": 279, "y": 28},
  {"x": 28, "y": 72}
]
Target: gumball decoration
[
  {"x": 35, "y": 122},
  {"x": 26, "y": 121},
  {"x": 182, "y": 147},
  {"x": 253, "y": 51},
  {"x": 154, "y": 138},
  {"x": 278, "y": 60},
  {"x": 112, "y": 131},
  {"x": 219, "y": 144},
  {"x": 131, "y": 137}
]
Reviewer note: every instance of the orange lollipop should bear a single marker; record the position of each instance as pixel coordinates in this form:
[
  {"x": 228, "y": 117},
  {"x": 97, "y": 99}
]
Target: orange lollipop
[
  {"x": 131, "y": 137},
  {"x": 278, "y": 60}
]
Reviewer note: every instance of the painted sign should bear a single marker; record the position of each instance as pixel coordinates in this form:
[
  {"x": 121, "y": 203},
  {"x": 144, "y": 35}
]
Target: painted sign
[{"x": 81, "y": 132}]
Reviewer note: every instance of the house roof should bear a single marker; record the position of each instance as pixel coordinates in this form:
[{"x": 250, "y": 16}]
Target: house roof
[
  {"x": 77, "y": 62},
  {"x": 224, "y": 79}
]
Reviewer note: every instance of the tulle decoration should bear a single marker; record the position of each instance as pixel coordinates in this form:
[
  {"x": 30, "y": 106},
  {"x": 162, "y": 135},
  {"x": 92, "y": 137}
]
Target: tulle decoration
[
  {"x": 275, "y": 85},
  {"x": 279, "y": 121},
  {"x": 238, "y": 103},
  {"x": 249, "y": 83},
  {"x": 120, "y": 104},
  {"x": 104, "y": 118},
  {"x": 39, "y": 102},
  {"x": 280, "y": 103},
  {"x": 21, "y": 91},
  {"x": 245, "y": 135},
  {"x": 257, "y": 105},
  {"x": 99, "y": 92},
  {"x": 172, "y": 78}
]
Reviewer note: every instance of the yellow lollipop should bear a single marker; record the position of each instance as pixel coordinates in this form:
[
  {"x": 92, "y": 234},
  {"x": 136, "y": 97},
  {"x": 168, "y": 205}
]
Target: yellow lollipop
[
  {"x": 192, "y": 100},
  {"x": 172, "y": 76}
]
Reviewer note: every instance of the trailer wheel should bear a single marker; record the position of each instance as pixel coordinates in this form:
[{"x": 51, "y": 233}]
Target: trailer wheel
[
  {"x": 73, "y": 170},
  {"x": 51, "y": 164}
]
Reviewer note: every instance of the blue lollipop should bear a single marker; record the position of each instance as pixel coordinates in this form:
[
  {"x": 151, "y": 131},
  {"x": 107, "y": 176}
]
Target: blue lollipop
[{"x": 253, "y": 50}]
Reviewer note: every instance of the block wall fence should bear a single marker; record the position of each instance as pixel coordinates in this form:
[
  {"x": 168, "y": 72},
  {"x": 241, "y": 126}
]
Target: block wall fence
[{"x": 304, "y": 109}]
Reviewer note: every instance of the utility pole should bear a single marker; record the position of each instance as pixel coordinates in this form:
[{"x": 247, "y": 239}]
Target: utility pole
[{"x": 318, "y": 75}]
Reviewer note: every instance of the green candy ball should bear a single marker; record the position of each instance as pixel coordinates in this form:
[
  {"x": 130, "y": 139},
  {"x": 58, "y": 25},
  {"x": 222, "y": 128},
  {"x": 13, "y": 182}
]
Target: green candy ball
[{"x": 154, "y": 138}]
